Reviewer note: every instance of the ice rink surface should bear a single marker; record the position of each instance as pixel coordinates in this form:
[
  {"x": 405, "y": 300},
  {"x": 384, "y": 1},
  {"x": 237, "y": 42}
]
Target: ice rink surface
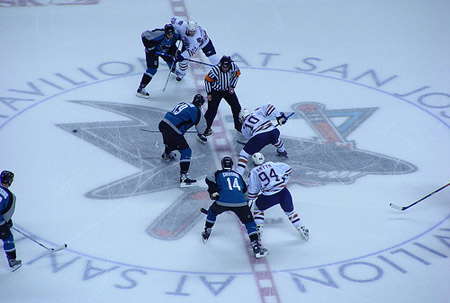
[{"x": 368, "y": 82}]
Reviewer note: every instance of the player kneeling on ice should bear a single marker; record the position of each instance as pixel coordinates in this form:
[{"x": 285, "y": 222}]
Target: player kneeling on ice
[
  {"x": 259, "y": 131},
  {"x": 7, "y": 206},
  {"x": 270, "y": 179},
  {"x": 173, "y": 127},
  {"x": 227, "y": 188}
]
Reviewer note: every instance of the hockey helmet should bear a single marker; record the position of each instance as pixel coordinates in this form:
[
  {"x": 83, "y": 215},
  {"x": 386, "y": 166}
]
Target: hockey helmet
[
  {"x": 258, "y": 158},
  {"x": 7, "y": 177},
  {"x": 191, "y": 26},
  {"x": 225, "y": 62},
  {"x": 169, "y": 29},
  {"x": 243, "y": 114},
  {"x": 227, "y": 163},
  {"x": 198, "y": 100}
]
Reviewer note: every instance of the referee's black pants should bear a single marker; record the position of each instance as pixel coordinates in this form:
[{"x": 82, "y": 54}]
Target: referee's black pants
[{"x": 213, "y": 106}]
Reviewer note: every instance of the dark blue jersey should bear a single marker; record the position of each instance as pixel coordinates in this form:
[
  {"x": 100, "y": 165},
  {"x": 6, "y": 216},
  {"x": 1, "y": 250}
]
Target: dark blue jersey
[
  {"x": 7, "y": 204},
  {"x": 230, "y": 186},
  {"x": 184, "y": 116},
  {"x": 157, "y": 41}
]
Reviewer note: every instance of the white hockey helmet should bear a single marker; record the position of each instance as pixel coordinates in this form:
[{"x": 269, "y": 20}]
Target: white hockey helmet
[
  {"x": 243, "y": 114},
  {"x": 258, "y": 158},
  {"x": 191, "y": 26}
]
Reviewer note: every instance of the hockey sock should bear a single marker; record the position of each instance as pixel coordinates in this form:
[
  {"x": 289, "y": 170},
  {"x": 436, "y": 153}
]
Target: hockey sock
[
  {"x": 146, "y": 78},
  {"x": 279, "y": 145},
  {"x": 259, "y": 216},
  {"x": 294, "y": 218}
]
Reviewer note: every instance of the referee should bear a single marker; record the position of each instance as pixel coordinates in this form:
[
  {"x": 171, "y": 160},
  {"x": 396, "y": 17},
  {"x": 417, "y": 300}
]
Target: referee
[{"x": 220, "y": 83}]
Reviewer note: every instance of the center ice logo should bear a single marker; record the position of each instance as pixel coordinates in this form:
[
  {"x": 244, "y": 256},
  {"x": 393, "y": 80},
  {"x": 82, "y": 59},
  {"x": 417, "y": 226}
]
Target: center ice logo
[{"x": 328, "y": 159}]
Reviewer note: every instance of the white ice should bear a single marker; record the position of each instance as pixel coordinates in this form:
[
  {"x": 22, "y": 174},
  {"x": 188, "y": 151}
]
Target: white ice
[{"x": 388, "y": 55}]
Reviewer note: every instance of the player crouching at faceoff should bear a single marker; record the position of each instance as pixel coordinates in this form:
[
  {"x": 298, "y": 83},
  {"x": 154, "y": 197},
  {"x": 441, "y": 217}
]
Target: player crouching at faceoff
[
  {"x": 7, "y": 206},
  {"x": 259, "y": 131},
  {"x": 157, "y": 42},
  {"x": 270, "y": 179},
  {"x": 227, "y": 188},
  {"x": 173, "y": 127}
]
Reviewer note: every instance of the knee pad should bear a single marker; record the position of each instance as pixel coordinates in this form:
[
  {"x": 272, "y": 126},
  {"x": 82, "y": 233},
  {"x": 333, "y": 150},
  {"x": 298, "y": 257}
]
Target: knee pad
[
  {"x": 185, "y": 153},
  {"x": 251, "y": 227},
  {"x": 151, "y": 71}
]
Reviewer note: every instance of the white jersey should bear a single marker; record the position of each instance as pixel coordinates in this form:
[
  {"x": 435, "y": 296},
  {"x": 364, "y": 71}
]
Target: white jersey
[
  {"x": 259, "y": 121},
  {"x": 268, "y": 179},
  {"x": 191, "y": 43}
]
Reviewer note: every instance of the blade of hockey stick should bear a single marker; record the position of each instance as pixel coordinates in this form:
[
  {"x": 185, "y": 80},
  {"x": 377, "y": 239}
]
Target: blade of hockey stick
[
  {"x": 55, "y": 249},
  {"x": 396, "y": 206},
  {"x": 421, "y": 199}
]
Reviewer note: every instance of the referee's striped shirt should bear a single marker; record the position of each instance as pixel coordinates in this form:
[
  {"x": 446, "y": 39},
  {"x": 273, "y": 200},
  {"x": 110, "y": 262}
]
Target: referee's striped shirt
[{"x": 217, "y": 80}]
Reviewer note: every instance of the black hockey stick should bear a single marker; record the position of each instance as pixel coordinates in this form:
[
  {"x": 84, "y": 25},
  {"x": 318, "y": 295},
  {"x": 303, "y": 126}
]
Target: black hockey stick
[
  {"x": 204, "y": 210},
  {"x": 52, "y": 249},
  {"x": 421, "y": 199},
  {"x": 171, "y": 67},
  {"x": 188, "y": 59},
  {"x": 157, "y": 131}
]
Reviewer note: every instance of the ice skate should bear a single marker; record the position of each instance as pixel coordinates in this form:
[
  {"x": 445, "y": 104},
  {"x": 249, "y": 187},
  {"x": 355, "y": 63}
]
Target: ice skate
[
  {"x": 282, "y": 154},
  {"x": 170, "y": 156},
  {"x": 208, "y": 132},
  {"x": 304, "y": 232},
  {"x": 179, "y": 75},
  {"x": 259, "y": 251},
  {"x": 14, "y": 264},
  {"x": 186, "y": 181},
  {"x": 142, "y": 93},
  {"x": 205, "y": 234},
  {"x": 202, "y": 139}
]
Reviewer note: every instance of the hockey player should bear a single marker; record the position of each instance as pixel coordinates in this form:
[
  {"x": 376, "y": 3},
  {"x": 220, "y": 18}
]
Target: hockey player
[
  {"x": 259, "y": 131},
  {"x": 194, "y": 37},
  {"x": 173, "y": 127},
  {"x": 267, "y": 184},
  {"x": 227, "y": 188},
  {"x": 219, "y": 84},
  {"x": 157, "y": 41},
  {"x": 7, "y": 206}
]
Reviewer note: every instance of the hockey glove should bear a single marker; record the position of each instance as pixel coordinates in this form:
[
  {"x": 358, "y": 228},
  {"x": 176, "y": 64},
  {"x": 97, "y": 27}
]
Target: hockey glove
[
  {"x": 281, "y": 119},
  {"x": 214, "y": 196},
  {"x": 151, "y": 50},
  {"x": 4, "y": 230},
  {"x": 179, "y": 58}
]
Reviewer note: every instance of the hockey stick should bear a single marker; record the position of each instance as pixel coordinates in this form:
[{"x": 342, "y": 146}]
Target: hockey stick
[
  {"x": 173, "y": 64},
  {"x": 188, "y": 59},
  {"x": 421, "y": 199},
  {"x": 204, "y": 210},
  {"x": 157, "y": 131},
  {"x": 199, "y": 62},
  {"x": 278, "y": 124},
  {"x": 52, "y": 249}
]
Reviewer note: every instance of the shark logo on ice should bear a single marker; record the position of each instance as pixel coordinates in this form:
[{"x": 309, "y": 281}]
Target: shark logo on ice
[{"x": 329, "y": 158}]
